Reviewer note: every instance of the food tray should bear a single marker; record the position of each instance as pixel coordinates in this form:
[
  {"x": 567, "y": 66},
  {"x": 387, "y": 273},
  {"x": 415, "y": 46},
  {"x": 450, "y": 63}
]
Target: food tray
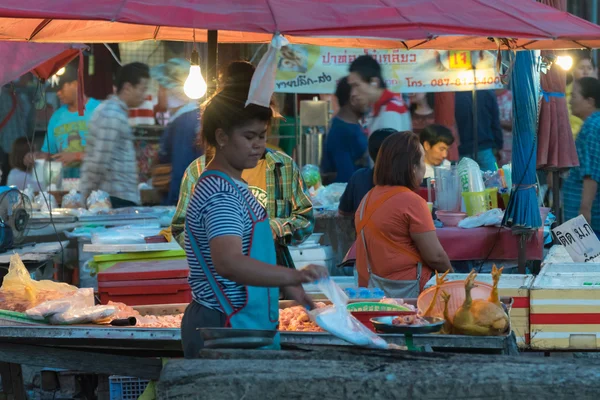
[{"x": 385, "y": 325}]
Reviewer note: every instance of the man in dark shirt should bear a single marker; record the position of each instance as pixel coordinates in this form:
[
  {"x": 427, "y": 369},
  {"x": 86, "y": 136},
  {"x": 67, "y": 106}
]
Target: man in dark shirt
[
  {"x": 362, "y": 180},
  {"x": 346, "y": 142},
  {"x": 489, "y": 130}
]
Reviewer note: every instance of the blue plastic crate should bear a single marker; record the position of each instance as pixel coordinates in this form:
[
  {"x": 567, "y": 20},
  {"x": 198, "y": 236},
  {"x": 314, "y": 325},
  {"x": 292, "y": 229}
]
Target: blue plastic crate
[{"x": 126, "y": 388}]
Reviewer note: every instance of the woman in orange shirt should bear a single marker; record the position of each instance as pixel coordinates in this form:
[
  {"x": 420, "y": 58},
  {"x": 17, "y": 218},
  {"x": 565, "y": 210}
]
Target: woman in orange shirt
[{"x": 397, "y": 247}]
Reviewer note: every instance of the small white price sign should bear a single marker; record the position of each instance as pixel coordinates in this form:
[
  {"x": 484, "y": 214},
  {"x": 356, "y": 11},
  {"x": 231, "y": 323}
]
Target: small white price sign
[{"x": 579, "y": 239}]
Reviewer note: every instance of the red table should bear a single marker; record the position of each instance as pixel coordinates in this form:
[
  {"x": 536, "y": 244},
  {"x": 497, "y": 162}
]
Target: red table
[{"x": 476, "y": 244}]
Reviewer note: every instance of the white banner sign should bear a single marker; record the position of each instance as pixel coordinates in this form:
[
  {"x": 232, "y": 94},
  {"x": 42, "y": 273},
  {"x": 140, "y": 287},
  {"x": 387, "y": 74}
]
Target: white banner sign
[
  {"x": 579, "y": 239},
  {"x": 316, "y": 70}
]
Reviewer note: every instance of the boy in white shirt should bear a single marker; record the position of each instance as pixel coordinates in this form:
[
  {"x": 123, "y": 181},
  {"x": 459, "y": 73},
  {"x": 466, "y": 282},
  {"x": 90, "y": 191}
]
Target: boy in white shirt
[{"x": 436, "y": 140}]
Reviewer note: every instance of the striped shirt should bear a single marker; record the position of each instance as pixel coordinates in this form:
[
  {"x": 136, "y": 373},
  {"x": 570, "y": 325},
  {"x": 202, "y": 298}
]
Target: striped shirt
[
  {"x": 390, "y": 111},
  {"x": 218, "y": 209},
  {"x": 110, "y": 162}
]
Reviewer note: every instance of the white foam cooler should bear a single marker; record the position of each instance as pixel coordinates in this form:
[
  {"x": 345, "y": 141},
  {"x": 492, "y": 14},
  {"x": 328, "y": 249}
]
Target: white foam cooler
[
  {"x": 565, "y": 311},
  {"x": 572, "y": 267},
  {"x": 515, "y": 286},
  {"x": 316, "y": 254}
]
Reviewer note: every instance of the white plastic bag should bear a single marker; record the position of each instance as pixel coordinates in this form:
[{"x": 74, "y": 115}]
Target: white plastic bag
[
  {"x": 489, "y": 218},
  {"x": 262, "y": 85},
  {"x": 72, "y": 200},
  {"x": 83, "y": 298},
  {"x": 86, "y": 315},
  {"x": 45, "y": 199},
  {"x": 99, "y": 201},
  {"x": 338, "y": 321}
]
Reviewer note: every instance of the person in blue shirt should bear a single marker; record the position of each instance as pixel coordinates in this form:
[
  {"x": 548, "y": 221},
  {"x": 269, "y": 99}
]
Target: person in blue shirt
[
  {"x": 346, "y": 141},
  {"x": 67, "y": 130},
  {"x": 489, "y": 131},
  {"x": 178, "y": 145},
  {"x": 580, "y": 190},
  {"x": 362, "y": 180}
]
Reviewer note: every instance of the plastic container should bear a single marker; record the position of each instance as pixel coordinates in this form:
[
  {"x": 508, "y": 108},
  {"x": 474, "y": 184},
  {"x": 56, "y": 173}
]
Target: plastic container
[
  {"x": 447, "y": 189},
  {"x": 126, "y": 388},
  {"x": 449, "y": 218},
  {"x": 480, "y": 202},
  {"x": 146, "y": 283},
  {"x": 456, "y": 289}
]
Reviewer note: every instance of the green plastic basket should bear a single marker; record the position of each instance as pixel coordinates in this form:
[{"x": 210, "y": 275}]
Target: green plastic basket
[{"x": 375, "y": 307}]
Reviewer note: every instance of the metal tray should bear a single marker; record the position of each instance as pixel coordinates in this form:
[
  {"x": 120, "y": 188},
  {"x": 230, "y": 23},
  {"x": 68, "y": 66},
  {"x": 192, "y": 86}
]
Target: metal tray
[
  {"x": 384, "y": 325},
  {"x": 229, "y": 338}
]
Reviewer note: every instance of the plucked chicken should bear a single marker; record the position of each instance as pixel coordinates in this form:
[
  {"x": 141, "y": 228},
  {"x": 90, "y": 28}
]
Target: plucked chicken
[{"x": 481, "y": 317}]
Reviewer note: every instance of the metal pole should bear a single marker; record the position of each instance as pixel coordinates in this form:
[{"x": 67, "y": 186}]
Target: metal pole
[
  {"x": 556, "y": 196},
  {"x": 298, "y": 131},
  {"x": 475, "y": 132},
  {"x": 211, "y": 73},
  {"x": 595, "y": 21}
]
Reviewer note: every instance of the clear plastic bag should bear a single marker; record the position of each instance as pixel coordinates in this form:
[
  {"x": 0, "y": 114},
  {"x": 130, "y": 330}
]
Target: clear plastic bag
[
  {"x": 72, "y": 200},
  {"x": 83, "y": 298},
  {"x": 338, "y": 321},
  {"x": 99, "y": 201},
  {"x": 329, "y": 196},
  {"x": 19, "y": 292},
  {"x": 86, "y": 315},
  {"x": 45, "y": 199},
  {"x": 311, "y": 176}
]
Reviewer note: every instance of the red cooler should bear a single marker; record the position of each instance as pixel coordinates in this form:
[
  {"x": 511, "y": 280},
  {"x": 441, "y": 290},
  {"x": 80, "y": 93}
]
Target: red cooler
[{"x": 139, "y": 283}]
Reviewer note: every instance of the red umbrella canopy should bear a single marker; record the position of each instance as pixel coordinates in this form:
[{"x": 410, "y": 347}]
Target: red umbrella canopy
[
  {"x": 44, "y": 60},
  {"x": 556, "y": 147},
  {"x": 457, "y": 24}
]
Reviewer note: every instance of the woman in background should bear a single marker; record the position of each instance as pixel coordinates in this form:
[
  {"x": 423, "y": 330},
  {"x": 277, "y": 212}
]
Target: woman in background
[
  {"x": 21, "y": 175},
  {"x": 397, "y": 246}
]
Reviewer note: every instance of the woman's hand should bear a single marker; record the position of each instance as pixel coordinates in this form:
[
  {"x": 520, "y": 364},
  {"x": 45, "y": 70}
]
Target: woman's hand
[
  {"x": 298, "y": 294},
  {"x": 312, "y": 273}
]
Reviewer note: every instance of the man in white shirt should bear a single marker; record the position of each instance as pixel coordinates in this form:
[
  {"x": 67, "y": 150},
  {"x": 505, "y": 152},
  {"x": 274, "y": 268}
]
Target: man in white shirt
[
  {"x": 388, "y": 110},
  {"x": 436, "y": 140}
]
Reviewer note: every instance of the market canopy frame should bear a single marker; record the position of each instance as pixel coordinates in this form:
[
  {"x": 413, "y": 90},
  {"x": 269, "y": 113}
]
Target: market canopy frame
[{"x": 409, "y": 24}]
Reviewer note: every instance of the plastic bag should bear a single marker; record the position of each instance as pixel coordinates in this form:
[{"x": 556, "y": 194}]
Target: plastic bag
[
  {"x": 78, "y": 315},
  {"x": 311, "y": 176},
  {"x": 488, "y": 218},
  {"x": 98, "y": 201},
  {"x": 470, "y": 176},
  {"x": 72, "y": 200},
  {"x": 329, "y": 196},
  {"x": 45, "y": 199},
  {"x": 262, "y": 85},
  {"x": 338, "y": 321},
  {"x": 126, "y": 234},
  {"x": 20, "y": 292},
  {"x": 83, "y": 298}
]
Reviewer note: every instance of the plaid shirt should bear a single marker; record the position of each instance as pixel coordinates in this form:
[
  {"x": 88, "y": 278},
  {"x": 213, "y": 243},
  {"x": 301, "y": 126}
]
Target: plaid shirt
[
  {"x": 110, "y": 161},
  {"x": 288, "y": 205},
  {"x": 588, "y": 151}
]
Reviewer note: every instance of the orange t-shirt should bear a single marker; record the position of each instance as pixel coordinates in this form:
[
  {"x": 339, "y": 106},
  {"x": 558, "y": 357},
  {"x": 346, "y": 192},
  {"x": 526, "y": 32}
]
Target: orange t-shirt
[{"x": 399, "y": 216}]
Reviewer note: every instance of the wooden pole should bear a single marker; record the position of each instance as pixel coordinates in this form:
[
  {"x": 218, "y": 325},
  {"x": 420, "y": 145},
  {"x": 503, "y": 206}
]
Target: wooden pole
[{"x": 211, "y": 73}]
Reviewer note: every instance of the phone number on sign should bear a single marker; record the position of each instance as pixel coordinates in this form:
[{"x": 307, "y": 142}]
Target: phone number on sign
[{"x": 491, "y": 80}]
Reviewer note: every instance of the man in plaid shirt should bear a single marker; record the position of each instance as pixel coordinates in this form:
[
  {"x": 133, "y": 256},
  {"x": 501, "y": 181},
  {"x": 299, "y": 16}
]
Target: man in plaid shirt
[
  {"x": 277, "y": 184},
  {"x": 110, "y": 161}
]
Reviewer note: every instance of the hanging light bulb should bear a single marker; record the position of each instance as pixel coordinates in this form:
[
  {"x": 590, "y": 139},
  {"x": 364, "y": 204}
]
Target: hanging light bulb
[
  {"x": 60, "y": 72},
  {"x": 565, "y": 62},
  {"x": 195, "y": 86}
]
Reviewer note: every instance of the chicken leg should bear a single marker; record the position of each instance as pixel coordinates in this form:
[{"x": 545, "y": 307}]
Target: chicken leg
[
  {"x": 447, "y": 328},
  {"x": 439, "y": 281},
  {"x": 496, "y": 274}
]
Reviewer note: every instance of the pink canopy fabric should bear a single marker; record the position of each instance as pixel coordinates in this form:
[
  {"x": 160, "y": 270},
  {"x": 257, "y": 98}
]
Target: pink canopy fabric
[
  {"x": 41, "y": 59},
  {"x": 458, "y": 24},
  {"x": 556, "y": 147}
]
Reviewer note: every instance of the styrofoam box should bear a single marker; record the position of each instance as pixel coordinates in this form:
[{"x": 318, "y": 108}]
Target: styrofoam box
[
  {"x": 303, "y": 254},
  {"x": 565, "y": 313},
  {"x": 570, "y": 268}
]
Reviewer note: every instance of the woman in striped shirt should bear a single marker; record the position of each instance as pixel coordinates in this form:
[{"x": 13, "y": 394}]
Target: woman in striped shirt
[{"x": 229, "y": 245}]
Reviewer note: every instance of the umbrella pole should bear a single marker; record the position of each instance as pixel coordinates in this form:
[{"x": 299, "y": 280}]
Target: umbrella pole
[
  {"x": 211, "y": 73},
  {"x": 556, "y": 196}
]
